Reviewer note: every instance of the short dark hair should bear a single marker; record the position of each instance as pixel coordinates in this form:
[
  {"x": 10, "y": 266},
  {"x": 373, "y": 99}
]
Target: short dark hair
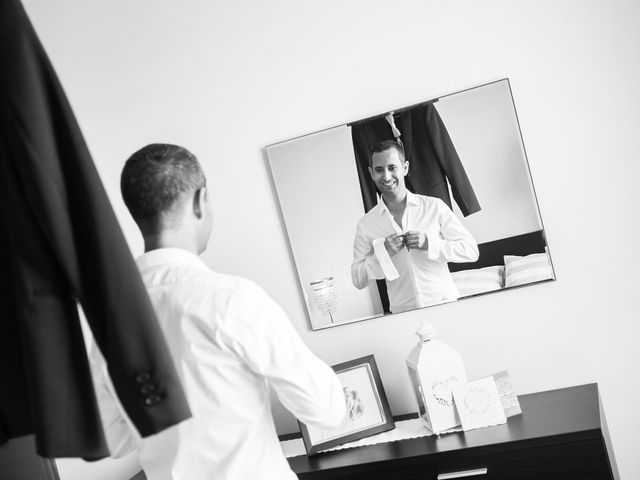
[
  {"x": 155, "y": 180},
  {"x": 388, "y": 145}
]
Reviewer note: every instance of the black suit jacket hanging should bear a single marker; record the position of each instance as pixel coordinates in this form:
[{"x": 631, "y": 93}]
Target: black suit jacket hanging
[
  {"x": 429, "y": 150},
  {"x": 60, "y": 243}
]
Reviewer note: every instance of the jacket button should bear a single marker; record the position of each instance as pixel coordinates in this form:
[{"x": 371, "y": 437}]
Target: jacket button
[
  {"x": 152, "y": 400},
  {"x": 147, "y": 388},
  {"x": 143, "y": 377}
]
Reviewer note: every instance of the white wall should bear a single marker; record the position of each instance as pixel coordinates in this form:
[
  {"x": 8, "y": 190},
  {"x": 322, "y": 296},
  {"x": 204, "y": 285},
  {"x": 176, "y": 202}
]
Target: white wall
[{"x": 226, "y": 78}]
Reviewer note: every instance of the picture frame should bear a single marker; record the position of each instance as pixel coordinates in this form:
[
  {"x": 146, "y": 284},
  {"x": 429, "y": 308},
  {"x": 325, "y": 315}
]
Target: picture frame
[{"x": 368, "y": 411}]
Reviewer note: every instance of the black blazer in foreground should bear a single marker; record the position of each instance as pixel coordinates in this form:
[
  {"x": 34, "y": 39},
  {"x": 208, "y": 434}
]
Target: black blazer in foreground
[{"x": 60, "y": 243}]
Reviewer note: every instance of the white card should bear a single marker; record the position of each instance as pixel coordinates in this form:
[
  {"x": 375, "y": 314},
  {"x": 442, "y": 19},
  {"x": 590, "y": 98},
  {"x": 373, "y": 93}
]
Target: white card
[
  {"x": 479, "y": 404},
  {"x": 508, "y": 396}
]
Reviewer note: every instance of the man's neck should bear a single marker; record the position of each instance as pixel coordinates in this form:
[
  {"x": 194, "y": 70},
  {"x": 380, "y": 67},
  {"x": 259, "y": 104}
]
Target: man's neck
[
  {"x": 396, "y": 202},
  {"x": 169, "y": 240}
]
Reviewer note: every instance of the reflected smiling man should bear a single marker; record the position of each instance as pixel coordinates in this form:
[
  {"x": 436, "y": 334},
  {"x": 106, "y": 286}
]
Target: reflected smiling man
[{"x": 407, "y": 239}]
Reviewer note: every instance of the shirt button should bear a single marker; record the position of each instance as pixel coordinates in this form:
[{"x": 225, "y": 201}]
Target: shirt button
[
  {"x": 152, "y": 400},
  {"x": 143, "y": 377}
]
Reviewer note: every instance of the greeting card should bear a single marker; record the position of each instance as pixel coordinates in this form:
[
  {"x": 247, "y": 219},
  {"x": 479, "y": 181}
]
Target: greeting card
[
  {"x": 507, "y": 394},
  {"x": 478, "y": 404}
]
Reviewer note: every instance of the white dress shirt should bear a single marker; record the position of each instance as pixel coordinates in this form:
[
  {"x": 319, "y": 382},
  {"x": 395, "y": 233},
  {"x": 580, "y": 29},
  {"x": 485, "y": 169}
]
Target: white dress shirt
[
  {"x": 415, "y": 278},
  {"x": 230, "y": 343}
]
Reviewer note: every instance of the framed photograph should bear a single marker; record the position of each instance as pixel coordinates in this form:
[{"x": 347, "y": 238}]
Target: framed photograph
[{"x": 368, "y": 410}]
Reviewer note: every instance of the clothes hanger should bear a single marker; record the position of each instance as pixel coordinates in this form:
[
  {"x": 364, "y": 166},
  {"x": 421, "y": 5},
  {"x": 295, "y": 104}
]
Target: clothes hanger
[{"x": 396, "y": 113}]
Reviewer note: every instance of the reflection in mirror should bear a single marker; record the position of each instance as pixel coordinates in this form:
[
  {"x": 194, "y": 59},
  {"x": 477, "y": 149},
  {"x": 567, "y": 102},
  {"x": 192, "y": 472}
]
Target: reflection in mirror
[{"x": 412, "y": 208}]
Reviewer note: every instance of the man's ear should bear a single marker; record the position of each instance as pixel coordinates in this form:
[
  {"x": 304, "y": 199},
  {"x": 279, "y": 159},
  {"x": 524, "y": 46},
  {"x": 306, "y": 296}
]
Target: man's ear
[
  {"x": 371, "y": 172},
  {"x": 198, "y": 202},
  {"x": 406, "y": 168}
]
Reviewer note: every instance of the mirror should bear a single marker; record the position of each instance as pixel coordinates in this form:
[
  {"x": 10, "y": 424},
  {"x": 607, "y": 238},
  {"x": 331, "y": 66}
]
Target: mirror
[{"x": 470, "y": 194}]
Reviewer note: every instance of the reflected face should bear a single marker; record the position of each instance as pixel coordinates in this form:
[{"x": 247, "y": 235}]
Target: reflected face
[{"x": 388, "y": 171}]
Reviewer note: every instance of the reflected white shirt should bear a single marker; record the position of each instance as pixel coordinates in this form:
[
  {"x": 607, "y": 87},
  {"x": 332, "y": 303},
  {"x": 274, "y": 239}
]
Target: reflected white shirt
[
  {"x": 415, "y": 278},
  {"x": 230, "y": 343}
]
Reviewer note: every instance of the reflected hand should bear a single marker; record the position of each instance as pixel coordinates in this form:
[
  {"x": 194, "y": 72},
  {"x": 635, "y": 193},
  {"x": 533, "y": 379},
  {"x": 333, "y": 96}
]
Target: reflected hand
[
  {"x": 417, "y": 240},
  {"x": 394, "y": 243}
]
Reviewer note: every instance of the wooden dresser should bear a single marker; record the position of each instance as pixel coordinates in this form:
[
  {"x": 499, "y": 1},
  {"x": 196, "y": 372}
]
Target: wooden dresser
[{"x": 560, "y": 435}]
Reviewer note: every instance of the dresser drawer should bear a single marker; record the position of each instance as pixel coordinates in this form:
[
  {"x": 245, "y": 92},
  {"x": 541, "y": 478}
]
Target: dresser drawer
[{"x": 584, "y": 460}]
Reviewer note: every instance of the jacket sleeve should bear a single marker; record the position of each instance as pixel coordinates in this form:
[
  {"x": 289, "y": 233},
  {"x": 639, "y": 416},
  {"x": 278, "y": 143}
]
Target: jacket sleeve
[
  {"x": 119, "y": 434},
  {"x": 263, "y": 336},
  {"x": 450, "y": 162}
]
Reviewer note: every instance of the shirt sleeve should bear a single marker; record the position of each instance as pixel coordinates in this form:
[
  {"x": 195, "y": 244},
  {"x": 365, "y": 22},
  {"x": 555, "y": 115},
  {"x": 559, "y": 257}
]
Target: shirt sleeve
[
  {"x": 371, "y": 261},
  {"x": 453, "y": 243},
  {"x": 261, "y": 333},
  {"x": 120, "y": 435}
]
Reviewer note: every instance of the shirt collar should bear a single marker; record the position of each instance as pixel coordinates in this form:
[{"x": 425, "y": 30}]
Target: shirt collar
[
  {"x": 163, "y": 256},
  {"x": 412, "y": 199}
]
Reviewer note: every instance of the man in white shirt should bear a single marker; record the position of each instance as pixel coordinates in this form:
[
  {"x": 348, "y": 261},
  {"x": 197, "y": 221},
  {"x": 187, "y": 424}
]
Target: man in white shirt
[
  {"x": 229, "y": 341},
  {"x": 407, "y": 239}
]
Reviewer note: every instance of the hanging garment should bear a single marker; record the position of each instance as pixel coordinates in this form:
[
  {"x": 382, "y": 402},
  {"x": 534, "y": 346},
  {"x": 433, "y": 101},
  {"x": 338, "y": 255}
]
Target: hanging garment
[
  {"x": 429, "y": 150},
  {"x": 60, "y": 243}
]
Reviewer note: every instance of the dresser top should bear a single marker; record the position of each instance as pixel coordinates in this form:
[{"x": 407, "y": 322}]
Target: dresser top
[{"x": 556, "y": 416}]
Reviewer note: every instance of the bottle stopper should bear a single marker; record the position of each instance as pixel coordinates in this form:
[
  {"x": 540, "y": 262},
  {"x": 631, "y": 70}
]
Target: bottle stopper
[{"x": 426, "y": 331}]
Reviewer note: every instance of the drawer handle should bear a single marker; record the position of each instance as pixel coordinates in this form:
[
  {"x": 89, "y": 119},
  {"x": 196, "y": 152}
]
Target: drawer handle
[{"x": 462, "y": 473}]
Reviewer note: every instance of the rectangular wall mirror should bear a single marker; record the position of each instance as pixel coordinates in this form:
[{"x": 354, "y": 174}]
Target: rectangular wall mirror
[{"x": 465, "y": 150}]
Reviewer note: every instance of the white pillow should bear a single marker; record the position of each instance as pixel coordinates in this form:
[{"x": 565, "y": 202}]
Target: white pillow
[
  {"x": 479, "y": 280},
  {"x": 529, "y": 269}
]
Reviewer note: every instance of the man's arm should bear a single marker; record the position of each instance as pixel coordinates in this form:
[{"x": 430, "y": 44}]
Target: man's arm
[
  {"x": 454, "y": 243},
  {"x": 118, "y": 431},
  {"x": 372, "y": 260},
  {"x": 262, "y": 335}
]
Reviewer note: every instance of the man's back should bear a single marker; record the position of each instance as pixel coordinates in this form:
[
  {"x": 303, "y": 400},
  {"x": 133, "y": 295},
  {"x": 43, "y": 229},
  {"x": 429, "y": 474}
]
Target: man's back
[{"x": 230, "y": 342}]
